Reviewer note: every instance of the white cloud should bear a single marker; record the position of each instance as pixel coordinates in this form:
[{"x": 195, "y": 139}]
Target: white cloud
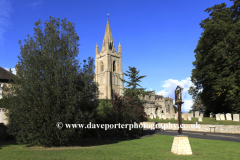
[
  {"x": 170, "y": 86},
  {"x": 37, "y": 2},
  {"x": 186, "y": 106},
  {"x": 5, "y": 12}
]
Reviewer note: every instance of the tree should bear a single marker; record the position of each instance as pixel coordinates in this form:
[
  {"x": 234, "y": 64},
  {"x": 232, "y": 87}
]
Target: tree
[
  {"x": 130, "y": 107},
  {"x": 50, "y": 87},
  {"x": 127, "y": 110},
  {"x": 217, "y": 67},
  {"x": 198, "y": 105},
  {"x": 133, "y": 88},
  {"x": 175, "y": 109}
]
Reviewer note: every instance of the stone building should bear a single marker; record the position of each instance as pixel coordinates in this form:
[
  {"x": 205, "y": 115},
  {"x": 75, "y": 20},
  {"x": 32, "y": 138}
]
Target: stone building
[
  {"x": 5, "y": 78},
  {"x": 157, "y": 104},
  {"x": 108, "y": 67}
]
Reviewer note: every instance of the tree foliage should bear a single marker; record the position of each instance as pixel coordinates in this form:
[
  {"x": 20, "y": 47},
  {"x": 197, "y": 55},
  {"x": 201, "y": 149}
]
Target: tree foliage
[
  {"x": 198, "y": 105},
  {"x": 103, "y": 110},
  {"x": 175, "y": 109},
  {"x": 217, "y": 64},
  {"x": 127, "y": 110},
  {"x": 50, "y": 87},
  {"x": 130, "y": 107},
  {"x": 133, "y": 88}
]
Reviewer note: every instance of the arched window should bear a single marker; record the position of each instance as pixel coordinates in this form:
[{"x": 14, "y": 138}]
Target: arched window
[
  {"x": 114, "y": 66},
  {"x": 110, "y": 46},
  {"x": 102, "y": 67}
]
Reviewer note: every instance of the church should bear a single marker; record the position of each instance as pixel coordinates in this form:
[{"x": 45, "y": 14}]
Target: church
[{"x": 108, "y": 69}]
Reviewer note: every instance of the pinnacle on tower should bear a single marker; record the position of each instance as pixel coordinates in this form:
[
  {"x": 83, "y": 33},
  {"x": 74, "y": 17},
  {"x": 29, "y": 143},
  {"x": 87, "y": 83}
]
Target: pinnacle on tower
[
  {"x": 119, "y": 48},
  {"x": 97, "y": 48},
  {"x": 108, "y": 40}
]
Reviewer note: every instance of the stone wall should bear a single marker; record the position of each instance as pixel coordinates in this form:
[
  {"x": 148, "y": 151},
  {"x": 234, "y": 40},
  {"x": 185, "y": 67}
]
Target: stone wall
[{"x": 200, "y": 127}]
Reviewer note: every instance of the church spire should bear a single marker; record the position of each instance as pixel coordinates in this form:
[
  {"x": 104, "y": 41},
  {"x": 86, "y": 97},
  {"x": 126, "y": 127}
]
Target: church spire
[{"x": 108, "y": 40}]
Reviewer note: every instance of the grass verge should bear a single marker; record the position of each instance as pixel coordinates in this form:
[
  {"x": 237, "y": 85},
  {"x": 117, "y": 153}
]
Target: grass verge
[
  {"x": 155, "y": 147},
  {"x": 205, "y": 120}
]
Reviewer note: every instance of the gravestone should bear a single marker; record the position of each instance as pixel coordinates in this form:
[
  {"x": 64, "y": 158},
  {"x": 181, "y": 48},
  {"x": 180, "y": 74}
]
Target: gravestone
[
  {"x": 200, "y": 119},
  {"x": 236, "y": 117},
  {"x": 211, "y": 115},
  {"x": 222, "y": 117},
  {"x": 160, "y": 116},
  {"x": 185, "y": 117},
  {"x": 163, "y": 116},
  {"x": 154, "y": 116},
  {"x": 189, "y": 117},
  {"x": 176, "y": 116},
  {"x": 196, "y": 114},
  {"x": 191, "y": 114},
  {"x": 151, "y": 116},
  {"x": 169, "y": 116},
  {"x": 201, "y": 115},
  {"x": 218, "y": 117},
  {"x": 229, "y": 116}
]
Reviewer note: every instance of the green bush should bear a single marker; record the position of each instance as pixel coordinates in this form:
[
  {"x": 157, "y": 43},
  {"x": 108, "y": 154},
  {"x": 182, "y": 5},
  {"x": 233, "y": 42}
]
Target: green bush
[{"x": 103, "y": 111}]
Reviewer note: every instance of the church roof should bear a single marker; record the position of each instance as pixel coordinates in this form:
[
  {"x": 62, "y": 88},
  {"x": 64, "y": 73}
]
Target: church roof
[{"x": 5, "y": 76}]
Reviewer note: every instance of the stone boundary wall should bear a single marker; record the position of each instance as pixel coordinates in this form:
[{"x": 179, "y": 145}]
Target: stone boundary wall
[{"x": 201, "y": 127}]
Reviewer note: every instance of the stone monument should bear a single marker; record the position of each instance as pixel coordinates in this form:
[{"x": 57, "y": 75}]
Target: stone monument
[
  {"x": 163, "y": 116},
  {"x": 176, "y": 116},
  {"x": 229, "y": 116},
  {"x": 196, "y": 114},
  {"x": 236, "y": 117},
  {"x": 200, "y": 119},
  {"x": 222, "y": 117},
  {"x": 191, "y": 114},
  {"x": 181, "y": 145},
  {"x": 211, "y": 115},
  {"x": 185, "y": 117}
]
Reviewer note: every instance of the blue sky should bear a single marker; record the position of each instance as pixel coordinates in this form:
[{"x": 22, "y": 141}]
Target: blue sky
[{"x": 158, "y": 37}]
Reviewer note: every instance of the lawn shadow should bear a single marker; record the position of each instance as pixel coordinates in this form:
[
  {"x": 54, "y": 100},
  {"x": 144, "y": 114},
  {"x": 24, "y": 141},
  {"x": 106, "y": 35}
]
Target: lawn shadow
[
  {"x": 85, "y": 142},
  {"x": 5, "y": 143}
]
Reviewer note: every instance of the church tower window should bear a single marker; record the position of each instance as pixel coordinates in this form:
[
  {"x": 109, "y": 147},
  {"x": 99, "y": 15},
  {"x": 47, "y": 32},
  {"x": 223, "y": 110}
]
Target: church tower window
[{"x": 114, "y": 66}]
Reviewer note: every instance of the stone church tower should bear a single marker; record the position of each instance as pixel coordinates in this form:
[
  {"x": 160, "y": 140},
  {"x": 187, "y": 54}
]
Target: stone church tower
[{"x": 108, "y": 67}]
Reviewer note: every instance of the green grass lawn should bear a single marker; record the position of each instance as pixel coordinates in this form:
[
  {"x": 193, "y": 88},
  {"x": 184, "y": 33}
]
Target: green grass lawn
[
  {"x": 205, "y": 120},
  {"x": 155, "y": 147}
]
